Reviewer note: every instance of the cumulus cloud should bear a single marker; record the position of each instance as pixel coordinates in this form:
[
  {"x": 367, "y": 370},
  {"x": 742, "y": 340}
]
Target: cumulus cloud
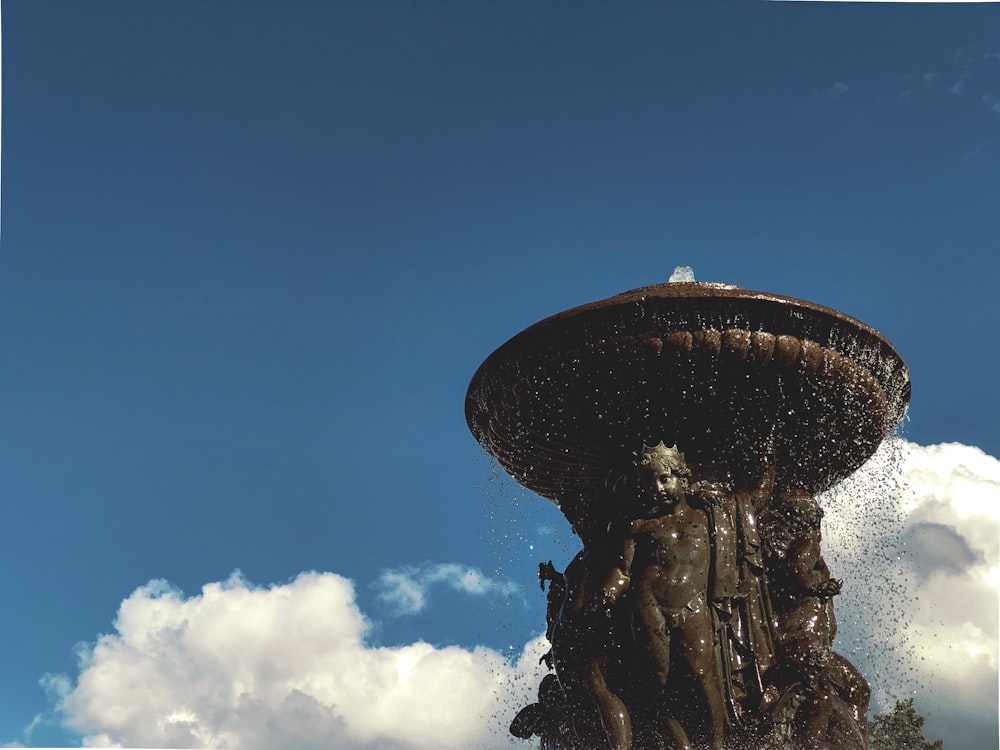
[
  {"x": 405, "y": 590},
  {"x": 916, "y": 536},
  {"x": 285, "y": 666}
]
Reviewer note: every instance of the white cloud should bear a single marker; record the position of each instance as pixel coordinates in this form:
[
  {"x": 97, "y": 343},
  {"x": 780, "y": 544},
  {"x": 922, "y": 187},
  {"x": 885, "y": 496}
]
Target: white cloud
[
  {"x": 404, "y": 591},
  {"x": 401, "y": 592},
  {"x": 248, "y": 667},
  {"x": 287, "y": 666},
  {"x": 919, "y": 548}
]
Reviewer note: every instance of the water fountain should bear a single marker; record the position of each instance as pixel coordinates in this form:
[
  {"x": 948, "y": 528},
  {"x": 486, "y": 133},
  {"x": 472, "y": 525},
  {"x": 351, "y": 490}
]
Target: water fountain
[{"x": 684, "y": 430}]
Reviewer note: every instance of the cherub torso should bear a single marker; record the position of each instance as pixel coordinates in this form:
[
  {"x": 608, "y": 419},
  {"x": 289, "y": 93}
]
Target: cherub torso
[{"x": 672, "y": 556}]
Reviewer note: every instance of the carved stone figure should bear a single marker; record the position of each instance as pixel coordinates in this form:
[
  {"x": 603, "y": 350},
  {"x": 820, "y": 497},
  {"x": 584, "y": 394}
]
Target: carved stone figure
[
  {"x": 582, "y": 642},
  {"x": 831, "y": 697},
  {"x": 740, "y": 602},
  {"x": 664, "y": 566},
  {"x": 686, "y": 620},
  {"x": 550, "y": 718}
]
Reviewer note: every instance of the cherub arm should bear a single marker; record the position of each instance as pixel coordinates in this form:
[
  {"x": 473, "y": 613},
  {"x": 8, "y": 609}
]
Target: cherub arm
[
  {"x": 808, "y": 569},
  {"x": 618, "y": 579}
]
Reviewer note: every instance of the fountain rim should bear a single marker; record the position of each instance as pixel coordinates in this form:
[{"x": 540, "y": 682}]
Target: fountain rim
[{"x": 697, "y": 290}]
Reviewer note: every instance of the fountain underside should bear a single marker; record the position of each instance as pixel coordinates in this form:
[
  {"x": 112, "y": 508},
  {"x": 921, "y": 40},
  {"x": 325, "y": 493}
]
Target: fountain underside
[{"x": 727, "y": 374}]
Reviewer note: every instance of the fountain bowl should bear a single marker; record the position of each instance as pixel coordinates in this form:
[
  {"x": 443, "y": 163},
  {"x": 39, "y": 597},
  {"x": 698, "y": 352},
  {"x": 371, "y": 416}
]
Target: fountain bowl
[{"x": 728, "y": 374}]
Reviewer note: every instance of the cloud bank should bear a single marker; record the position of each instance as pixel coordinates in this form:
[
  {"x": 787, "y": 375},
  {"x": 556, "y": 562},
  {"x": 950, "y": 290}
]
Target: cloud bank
[
  {"x": 239, "y": 666},
  {"x": 919, "y": 548},
  {"x": 287, "y": 666}
]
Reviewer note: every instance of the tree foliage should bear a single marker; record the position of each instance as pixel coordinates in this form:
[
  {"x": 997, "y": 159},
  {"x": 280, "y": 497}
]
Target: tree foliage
[{"x": 900, "y": 730}]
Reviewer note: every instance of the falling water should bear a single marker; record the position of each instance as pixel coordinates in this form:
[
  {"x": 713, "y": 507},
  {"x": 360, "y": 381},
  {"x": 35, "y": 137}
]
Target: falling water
[
  {"x": 522, "y": 530},
  {"x": 862, "y": 544}
]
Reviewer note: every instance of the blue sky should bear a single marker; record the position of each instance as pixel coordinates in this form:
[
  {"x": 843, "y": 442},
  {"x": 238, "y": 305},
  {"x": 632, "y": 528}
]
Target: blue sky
[{"x": 252, "y": 253}]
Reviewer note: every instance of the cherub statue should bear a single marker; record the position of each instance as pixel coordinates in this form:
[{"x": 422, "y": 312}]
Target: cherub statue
[
  {"x": 664, "y": 568},
  {"x": 834, "y": 695}
]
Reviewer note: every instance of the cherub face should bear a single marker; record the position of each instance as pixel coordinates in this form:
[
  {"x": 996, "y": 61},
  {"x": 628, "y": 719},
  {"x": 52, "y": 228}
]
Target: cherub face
[{"x": 659, "y": 482}]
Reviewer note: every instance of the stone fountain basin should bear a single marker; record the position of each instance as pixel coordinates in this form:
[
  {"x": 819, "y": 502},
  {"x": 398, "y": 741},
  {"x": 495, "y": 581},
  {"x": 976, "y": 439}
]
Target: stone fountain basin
[{"x": 728, "y": 374}]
